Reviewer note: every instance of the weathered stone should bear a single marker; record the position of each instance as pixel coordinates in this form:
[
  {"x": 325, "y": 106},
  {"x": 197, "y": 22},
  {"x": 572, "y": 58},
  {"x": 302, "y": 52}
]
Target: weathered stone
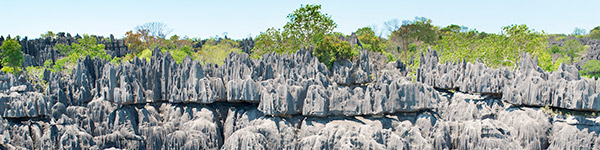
[
  {"x": 246, "y": 90},
  {"x": 25, "y": 105},
  {"x": 462, "y": 76},
  {"x": 562, "y": 88}
]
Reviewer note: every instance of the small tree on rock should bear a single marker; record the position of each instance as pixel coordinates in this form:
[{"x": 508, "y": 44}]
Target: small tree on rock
[{"x": 12, "y": 56}]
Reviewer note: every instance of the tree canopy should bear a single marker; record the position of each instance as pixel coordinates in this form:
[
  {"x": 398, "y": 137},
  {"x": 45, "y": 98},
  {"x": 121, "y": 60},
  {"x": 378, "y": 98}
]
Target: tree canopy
[
  {"x": 307, "y": 28},
  {"x": 12, "y": 56}
]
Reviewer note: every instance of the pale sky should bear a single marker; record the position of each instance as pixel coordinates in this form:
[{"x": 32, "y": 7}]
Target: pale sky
[{"x": 241, "y": 19}]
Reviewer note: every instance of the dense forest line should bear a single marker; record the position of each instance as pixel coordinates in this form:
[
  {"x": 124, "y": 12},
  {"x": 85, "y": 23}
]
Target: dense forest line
[{"x": 308, "y": 28}]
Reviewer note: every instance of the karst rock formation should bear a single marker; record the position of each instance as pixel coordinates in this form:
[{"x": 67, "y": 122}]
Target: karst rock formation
[{"x": 295, "y": 102}]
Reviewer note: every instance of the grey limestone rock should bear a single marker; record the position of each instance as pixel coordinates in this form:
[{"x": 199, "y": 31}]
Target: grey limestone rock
[
  {"x": 293, "y": 101},
  {"x": 316, "y": 102},
  {"x": 462, "y": 76},
  {"x": 562, "y": 88},
  {"x": 24, "y": 105},
  {"x": 238, "y": 118},
  {"x": 409, "y": 131},
  {"x": 361, "y": 71},
  {"x": 246, "y": 90},
  {"x": 263, "y": 133},
  {"x": 279, "y": 98},
  {"x": 575, "y": 132}
]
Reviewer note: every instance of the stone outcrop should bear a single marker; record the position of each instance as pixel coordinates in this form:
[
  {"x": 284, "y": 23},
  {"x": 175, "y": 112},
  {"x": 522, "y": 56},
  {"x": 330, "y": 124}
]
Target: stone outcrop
[
  {"x": 563, "y": 88},
  {"x": 462, "y": 76},
  {"x": 295, "y": 102},
  {"x": 37, "y": 51}
]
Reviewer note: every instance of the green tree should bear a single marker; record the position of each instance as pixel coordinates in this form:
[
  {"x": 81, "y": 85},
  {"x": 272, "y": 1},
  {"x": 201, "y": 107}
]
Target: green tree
[
  {"x": 12, "y": 56},
  {"x": 579, "y": 31},
  {"x": 49, "y": 34},
  {"x": 451, "y": 28},
  {"x": 595, "y": 33},
  {"x": 88, "y": 45},
  {"x": 369, "y": 40},
  {"x": 496, "y": 50},
  {"x": 307, "y": 25},
  {"x": 419, "y": 31},
  {"x": 271, "y": 40},
  {"x": 522, "y": 39},
  {"x": 572, "y": 49},
  {"x": 332, "y": 48},
  {"x": 307, "y": 28}
]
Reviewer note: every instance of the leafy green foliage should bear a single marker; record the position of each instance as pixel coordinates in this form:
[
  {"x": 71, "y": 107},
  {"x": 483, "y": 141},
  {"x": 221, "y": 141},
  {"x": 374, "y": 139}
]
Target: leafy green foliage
[
  {"x": 88, "y": 45},
  {"x": 48, "y": 34},
  {"x": 63, "y": 49},
  {"x": 419, "y": 30},
  {"x": 215, "y": 52},
  {"x": 496, "y": 50},
  {"x": 451, "y": 28},
  {"x": 12, "y": 56},
  {"x": 307, "y": 25},
  {"x": 180, "y": 54},
  {"x": 117, "y": 60},
  {"x": 595, "y": 33},
  {"x": 554, "y": 49},
  {"x": 37, "y": 71},
  {"x": 331, "y": 49},
  {"x": 35, "y": 75},
  {"x": 13, "y": 70},
  {"x": 308, "y": 28},
  {"x": 573, "y": 49},
  {"x": 369, "y": 40},
  {"x": 145, "y": 54},
  {"x": 271, "y": 40},
  {"x": 48, "y": 63},
  {"x": 390, "y": 57},
  {"x": 591, "y": 68}
]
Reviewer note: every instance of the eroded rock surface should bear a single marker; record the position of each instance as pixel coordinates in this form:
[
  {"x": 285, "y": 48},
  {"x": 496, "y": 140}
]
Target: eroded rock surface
[{"x": 295, "y": 102}]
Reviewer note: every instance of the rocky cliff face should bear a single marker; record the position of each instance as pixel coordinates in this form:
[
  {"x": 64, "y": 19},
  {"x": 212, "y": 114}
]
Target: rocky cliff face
[
  {"x": 37, "y": 51},
  {"x": 295, "y": 102}
]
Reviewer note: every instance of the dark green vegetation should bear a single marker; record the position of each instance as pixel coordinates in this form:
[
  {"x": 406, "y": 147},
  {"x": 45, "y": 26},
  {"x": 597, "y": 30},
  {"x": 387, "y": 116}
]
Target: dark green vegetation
[
  {"x": 591, "y": 68},
  {"x": 309, "y": 28},
  {"x": 87, "y": 46},
  {"x": 12, "y": 56}
]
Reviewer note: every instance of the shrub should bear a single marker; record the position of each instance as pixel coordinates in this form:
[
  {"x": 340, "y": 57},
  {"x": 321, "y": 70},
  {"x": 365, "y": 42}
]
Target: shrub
[
  {"x": 369, "y": 41},
  {"x": 554, "y": 49},
  {"x": 145, "y": 54},
  {"x": 412, "y": 47},
  {"x": 591, "y": 68},
  {"x": 573, "y": 49},
  {"x": 180, "y": 54},
  {"x": 390, "y": 57},
  {"x": 35, "y": 75},
  {"x": 215, "y": 52},
  {"x": 497, "y": 50},
  {"x": 331, "y": 49},
  {"x": 88, "y": 45}
]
